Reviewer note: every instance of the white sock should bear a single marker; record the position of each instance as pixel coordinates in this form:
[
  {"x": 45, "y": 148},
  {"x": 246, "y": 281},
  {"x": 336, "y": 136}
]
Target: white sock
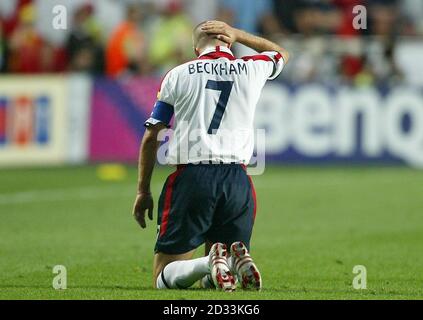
[
  {"x": 183, "y": 274},
  {"x": 207, "y": 282}
]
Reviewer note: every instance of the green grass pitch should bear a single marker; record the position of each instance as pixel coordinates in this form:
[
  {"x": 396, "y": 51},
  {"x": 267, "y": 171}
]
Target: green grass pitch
[{"x": 313, "y": 226}]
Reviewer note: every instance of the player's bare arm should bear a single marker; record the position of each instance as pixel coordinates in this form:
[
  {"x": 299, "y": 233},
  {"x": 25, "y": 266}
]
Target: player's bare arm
[
  {"x": 147, "y": 159},
  {"x": 230, "y": 35}
]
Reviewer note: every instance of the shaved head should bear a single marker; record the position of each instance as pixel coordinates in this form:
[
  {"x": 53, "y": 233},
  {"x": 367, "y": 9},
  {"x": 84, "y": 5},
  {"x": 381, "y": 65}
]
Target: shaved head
[
  {"x": 199, "y": 36},
  {"x": 202, "y": 40}
]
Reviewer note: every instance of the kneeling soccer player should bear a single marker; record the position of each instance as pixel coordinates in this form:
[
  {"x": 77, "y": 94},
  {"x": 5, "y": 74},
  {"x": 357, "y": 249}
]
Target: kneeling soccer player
[{"x": 210, "y": 198}]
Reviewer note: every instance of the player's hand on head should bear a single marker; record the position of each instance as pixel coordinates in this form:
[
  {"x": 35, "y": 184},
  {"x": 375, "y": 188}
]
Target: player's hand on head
[
  {"x": 222, "y": 30},
  {"x": 143, "y": 202}
]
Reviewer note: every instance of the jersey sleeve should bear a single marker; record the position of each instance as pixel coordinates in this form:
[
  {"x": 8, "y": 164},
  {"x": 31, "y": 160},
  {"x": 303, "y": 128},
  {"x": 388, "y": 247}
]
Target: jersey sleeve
[
  {"x": 272, "y": 63},
  {"x": 164, "y": 107},
  {"x": 278, "y": 63}
]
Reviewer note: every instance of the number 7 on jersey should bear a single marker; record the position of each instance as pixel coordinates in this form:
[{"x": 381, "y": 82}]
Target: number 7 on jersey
[{"x": 225, "y": 87}]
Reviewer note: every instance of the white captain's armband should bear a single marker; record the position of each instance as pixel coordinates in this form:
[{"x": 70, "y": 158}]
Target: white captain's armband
[{"x": 162, "y": 113}]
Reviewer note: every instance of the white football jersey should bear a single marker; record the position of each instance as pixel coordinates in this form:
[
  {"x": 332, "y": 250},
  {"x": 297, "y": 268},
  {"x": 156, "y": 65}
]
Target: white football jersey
[{"x": 213, "y": 101}]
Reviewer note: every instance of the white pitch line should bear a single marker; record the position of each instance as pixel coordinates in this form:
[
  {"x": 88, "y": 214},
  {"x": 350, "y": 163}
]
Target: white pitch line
[
  {"x": 88, "y": 193},
  {"x": 65, "y": 194}
]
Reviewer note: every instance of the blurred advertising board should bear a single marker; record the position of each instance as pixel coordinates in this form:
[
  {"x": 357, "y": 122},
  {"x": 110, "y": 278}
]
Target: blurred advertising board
[
  {"x": 323, "y": 124},
  {"x": 119, "y": 109},
  {"x": 40, "y": 122},
  {"x": 309, "y": 124}
]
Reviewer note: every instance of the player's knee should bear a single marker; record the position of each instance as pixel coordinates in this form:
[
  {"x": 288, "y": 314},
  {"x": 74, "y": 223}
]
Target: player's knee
[
  {"x": 160, "y": 281},
  {"x": 157, "y": 275}
]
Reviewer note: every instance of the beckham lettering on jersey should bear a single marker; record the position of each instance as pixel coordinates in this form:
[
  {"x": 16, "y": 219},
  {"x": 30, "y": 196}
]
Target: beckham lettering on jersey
[{"x": 220, "y": 69}]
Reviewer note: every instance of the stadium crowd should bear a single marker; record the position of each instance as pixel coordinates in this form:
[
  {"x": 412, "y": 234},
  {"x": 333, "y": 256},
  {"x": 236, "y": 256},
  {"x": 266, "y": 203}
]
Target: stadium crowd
[{"x": 118, "y": 37}]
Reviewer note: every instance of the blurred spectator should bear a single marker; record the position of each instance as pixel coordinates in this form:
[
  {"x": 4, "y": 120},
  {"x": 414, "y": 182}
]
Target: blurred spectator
[
  {"x": 171, "y": 41},
  {"x": 2, "y": 48},
  {"x": 28, "y": 51},
  {"x": 351, "y": 66},
  {"x": 381, "y": 61},
  {"x": 346, "y": 10},
  {"x": 200, "y": 11},
  {"x": 7, "y": 8},
  {"x": 384, "y": 18},
  {"x": 413, "y": 12},
  {"x": 110, "y": 13},
  {"x": 156, "y": 39},
  {"x": 84, "y": 44},
  {"x": 9, "y": 11},
  {"x": 317, "y": 17},
  {"x": 250, "y": 15},
  {"x": 126, "y": 48},
  {"x": 285, "y": 11}
]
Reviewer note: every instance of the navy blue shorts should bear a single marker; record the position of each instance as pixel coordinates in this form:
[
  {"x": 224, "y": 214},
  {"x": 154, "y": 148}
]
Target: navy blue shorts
[{"x": 199, "y": 203}]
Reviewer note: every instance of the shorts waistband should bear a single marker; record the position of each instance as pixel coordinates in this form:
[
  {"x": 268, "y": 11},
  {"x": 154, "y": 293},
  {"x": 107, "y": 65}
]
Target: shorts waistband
[{"x": 211, "y": 163}]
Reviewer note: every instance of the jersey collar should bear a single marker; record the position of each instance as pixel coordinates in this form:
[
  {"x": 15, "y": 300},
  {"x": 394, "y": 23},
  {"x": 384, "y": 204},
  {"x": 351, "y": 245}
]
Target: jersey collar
[{"x": 216, "y": 53}]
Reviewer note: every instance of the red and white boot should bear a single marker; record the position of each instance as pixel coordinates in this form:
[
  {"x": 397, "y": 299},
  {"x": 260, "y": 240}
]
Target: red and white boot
[
  {"x": 247, "y": 271},
  {"x": 219, "y": 268}
]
